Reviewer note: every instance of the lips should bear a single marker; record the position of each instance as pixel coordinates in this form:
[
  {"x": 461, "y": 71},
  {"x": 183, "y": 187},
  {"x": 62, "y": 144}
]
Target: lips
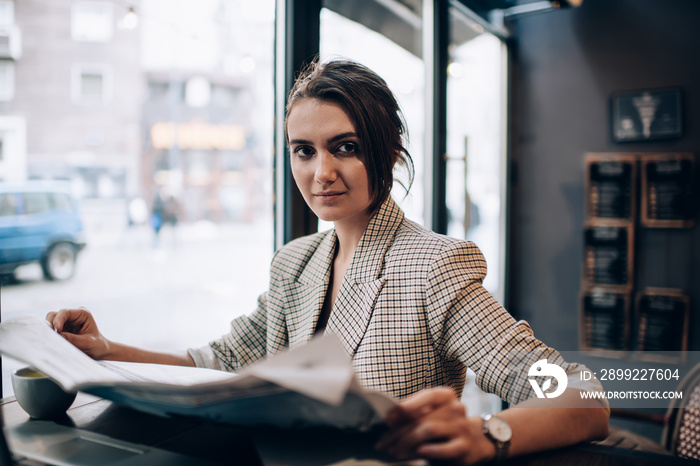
[{"x": 328, "y": 194}]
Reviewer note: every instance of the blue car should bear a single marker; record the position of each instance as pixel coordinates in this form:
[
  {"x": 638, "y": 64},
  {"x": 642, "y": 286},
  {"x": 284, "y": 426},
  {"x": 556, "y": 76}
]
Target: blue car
[{"x": 39, "y": 222}]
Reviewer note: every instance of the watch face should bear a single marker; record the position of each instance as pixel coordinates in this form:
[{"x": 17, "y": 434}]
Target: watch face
[{"x": 499, "y": 429}]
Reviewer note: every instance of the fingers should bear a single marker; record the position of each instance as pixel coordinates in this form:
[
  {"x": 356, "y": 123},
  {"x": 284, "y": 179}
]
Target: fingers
[
  {"x": 406, "y": 438},
  {"x": 50, "y": 318},
  {"x": 421, "y": 404},
  {"x": 71, "y": 320},
  {"x": 393, "y": 437},
  {"x": 441, "y": 422},
  {"x": 78, "y": 327},
  {"x": 432, "y": 424},
  {"x": 439, "y": 439},
  {"x": 71, "y": 338}
]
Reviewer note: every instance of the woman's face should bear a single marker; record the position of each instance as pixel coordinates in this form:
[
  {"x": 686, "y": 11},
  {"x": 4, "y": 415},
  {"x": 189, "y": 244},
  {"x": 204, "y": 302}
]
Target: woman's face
[{"x": 326, "y": 161}]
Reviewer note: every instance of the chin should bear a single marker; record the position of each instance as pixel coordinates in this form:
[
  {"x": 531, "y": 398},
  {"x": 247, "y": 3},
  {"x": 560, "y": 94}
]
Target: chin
[{"x": 326, "y": 217}]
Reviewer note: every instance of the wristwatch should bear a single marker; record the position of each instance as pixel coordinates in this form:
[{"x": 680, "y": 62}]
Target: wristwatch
[{"x": 498, "y": 431}]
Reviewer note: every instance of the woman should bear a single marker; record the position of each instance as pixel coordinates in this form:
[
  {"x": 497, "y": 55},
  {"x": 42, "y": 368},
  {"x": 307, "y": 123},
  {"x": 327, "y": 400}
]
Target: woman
[{"x": 407, "y": 304}]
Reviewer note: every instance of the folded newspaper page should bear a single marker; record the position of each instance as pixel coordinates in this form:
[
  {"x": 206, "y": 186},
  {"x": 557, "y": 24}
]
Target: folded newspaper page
[{"x": 311, "y": 385}]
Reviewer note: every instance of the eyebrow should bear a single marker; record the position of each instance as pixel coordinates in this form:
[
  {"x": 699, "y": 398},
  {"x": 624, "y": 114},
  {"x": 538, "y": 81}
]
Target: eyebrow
[{"x": 335, "y": 138}]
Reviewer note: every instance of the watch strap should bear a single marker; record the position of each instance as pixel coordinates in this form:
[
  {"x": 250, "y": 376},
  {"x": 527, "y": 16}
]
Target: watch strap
[{"x": 501, "y": 447}]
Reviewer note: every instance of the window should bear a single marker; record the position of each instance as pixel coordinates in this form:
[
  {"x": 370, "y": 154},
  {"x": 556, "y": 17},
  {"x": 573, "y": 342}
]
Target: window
[
  {"x": 158, "y": 92},
  {"x": 197, "y": 92},
  {"x": 4, "y": 43},
  {"x": 92, "y": 84},
  {"x": 92, "y": 21},
  {"x": 7, "y": 14},
  {"x": 61, "y": 202},
  {"x": 7, "y": 80},
  {"x": 119, "y": 141},
  {"x": 214, "y": 157},
  {"x": 35, "y": 203},
  {"x": 13, "y": 147},
  {"x": 223, "y": 96},
  {"x": 8, "y": 204},
  {"x": 476, "y": 180}
]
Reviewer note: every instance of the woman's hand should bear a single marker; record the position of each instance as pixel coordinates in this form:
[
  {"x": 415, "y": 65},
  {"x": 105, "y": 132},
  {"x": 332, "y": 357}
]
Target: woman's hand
[
  {"x": 78, "y": 326},
  {"x": 433, "y": 424}
]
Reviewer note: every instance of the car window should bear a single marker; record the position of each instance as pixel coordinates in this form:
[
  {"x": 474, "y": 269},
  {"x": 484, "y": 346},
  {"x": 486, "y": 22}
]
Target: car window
[
  {"x": 35, "y": 203},
  {"x": 61, "y": 202},
  {"x": 8, "y": 204}
]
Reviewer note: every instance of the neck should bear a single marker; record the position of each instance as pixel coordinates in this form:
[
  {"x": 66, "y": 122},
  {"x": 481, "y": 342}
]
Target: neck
[{"x": 349, "y": 234}]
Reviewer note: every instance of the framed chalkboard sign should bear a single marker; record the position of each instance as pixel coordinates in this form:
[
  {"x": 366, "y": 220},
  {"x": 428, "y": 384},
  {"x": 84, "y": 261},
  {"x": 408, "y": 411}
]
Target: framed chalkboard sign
[
  {"x": 608, "y": 257},
  {"x": 663, "y": 320},
  {"x": 605, "y": 320},
  {"x": 611, "y": 187},
  {"x": 646, "y": 114},
  {"x": 667, "y": 190}
]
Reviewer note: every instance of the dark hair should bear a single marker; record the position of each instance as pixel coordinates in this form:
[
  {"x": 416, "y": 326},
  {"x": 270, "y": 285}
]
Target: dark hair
[{"x": 374, "y": 111}]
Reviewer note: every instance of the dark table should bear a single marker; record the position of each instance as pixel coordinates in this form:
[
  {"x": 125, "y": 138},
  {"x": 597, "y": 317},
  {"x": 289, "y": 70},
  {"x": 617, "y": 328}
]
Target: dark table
[{"x": 264, "y": 445}]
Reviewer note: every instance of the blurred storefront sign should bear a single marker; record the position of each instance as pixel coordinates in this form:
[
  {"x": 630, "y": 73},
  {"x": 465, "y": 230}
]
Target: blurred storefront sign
[{"x": 165, "y": 135}]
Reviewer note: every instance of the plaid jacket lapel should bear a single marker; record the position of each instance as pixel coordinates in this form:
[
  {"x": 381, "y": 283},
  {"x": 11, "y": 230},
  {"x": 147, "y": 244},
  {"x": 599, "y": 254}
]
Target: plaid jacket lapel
[
  {"x": 307, "y": 293},
  {"x": 362, "y": 283}
]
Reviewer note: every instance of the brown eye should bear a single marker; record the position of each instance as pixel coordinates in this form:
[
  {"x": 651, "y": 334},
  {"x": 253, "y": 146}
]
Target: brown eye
[
  {"x": 303, "y": 152},
  {"x": 348, "y": 148}
]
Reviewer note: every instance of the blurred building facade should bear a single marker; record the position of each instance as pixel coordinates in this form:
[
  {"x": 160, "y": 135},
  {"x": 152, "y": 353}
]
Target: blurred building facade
[
  {"x": 128, "y": 100},
  {"x": 71, "y": 95}
]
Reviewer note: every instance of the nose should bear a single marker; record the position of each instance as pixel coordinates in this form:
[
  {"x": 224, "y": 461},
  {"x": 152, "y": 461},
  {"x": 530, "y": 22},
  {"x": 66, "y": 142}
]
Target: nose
[{"x": 325, "y": 168}]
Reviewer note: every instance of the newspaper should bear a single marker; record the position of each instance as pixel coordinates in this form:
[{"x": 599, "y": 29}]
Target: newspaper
[{"x": 311, "y": 385}]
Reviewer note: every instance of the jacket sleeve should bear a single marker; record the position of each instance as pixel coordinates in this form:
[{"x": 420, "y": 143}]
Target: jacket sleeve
[
  {"x": 244, "y": 344},
  {"x": 468, "y": 324}
]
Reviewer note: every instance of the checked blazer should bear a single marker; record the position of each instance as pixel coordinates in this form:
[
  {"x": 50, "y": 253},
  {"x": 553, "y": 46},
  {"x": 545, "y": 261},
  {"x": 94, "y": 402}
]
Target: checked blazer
[{"x": 411, "y": 311}]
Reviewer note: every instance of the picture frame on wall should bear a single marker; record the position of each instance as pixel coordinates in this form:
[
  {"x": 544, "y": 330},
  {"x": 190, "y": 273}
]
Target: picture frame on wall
[
  {"x": 608, "y": 257},
  {"x": 668, "y": 196},
  {"x": 604, "y": 321},
  {"x": 664, "y": 316},
  {"x": 610, "y": 188},
  {"x": 646, "y": 115}
]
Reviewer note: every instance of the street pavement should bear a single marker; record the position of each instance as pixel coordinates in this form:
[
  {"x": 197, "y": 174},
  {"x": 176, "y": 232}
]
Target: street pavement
[{"x": 181, "y": 292}]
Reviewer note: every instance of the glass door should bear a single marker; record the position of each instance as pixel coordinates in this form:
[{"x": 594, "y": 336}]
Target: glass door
[
  {"x": 476, "y": 159},
  {"x": 476, "y": 151}
]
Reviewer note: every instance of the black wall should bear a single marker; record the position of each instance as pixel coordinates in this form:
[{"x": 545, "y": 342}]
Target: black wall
[{"x": 565, "y": 66}]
